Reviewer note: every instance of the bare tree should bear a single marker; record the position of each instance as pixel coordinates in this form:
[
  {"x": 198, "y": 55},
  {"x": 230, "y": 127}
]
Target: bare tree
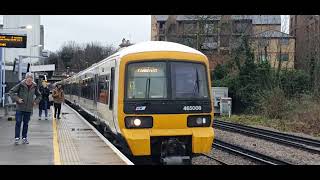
[{"x": 77, "y": 57}]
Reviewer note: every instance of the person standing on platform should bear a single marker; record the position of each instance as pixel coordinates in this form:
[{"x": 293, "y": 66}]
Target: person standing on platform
[
  {"x": 23, "y": 93},
  {"x": 44, "y": 103},
  {"x": 58, "y": 98}
]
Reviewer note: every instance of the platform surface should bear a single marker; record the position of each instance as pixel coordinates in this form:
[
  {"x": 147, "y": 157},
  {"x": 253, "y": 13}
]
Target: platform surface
[
  {"x": 40, "y": 149},
  {"x": 68, "y": 141}
]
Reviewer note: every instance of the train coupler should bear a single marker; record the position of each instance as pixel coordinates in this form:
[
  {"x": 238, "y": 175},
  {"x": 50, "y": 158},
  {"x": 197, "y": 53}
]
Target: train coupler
[{"x": 174, "y": 152}]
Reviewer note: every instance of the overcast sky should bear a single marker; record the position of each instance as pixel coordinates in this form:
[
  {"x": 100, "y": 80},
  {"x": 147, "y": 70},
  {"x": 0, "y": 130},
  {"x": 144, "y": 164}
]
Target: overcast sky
[
  {"x": 107, "y": 29},
  {"x": 86, "y": 28}
]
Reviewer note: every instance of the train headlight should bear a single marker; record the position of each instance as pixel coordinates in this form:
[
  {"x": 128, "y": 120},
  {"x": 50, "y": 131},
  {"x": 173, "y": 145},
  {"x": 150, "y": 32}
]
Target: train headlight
[
  {"x": 137, "y": 122},
  {"x": 199, "y": 121},
  {"x": 133, "y": 122}
]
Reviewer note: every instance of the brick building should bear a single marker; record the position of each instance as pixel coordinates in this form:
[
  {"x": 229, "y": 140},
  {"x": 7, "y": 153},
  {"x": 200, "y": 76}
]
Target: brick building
[
  {"x": 273, "y": 45},
  {"x": 214, "y": 35},
  {"x": 306, "y": 30}
]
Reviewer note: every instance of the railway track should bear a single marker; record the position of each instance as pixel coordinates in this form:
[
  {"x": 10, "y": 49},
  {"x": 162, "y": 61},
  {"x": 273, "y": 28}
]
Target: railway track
[
  {"x": 213, "y": 158},
  {"x": 258, "y": 157},
  {"x": 302, "y": 143}
]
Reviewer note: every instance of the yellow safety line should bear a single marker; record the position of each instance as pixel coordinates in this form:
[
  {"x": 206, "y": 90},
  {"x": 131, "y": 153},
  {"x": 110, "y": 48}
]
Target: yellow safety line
[{"x": 56, "y": 151}]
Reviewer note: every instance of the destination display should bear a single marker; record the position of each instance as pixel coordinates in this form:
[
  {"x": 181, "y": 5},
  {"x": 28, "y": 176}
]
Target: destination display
[{"x": 13, "y": 41}]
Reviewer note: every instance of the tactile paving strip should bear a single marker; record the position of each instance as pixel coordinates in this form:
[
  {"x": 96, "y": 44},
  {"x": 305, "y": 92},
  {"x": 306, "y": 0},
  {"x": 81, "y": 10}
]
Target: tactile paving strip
[
  {"x": 79, "y": 144},
  {"x": 68, "y": 150}
]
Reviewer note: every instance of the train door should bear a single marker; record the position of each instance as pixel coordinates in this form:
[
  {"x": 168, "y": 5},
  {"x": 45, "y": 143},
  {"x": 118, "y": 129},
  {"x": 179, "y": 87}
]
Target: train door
[
  {"x": 111, "y": 93},
  {"x": 95, "y": 94}
]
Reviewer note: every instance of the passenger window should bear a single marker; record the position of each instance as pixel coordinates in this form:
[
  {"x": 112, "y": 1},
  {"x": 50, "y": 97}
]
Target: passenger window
[{"x": 103, "y": 89}]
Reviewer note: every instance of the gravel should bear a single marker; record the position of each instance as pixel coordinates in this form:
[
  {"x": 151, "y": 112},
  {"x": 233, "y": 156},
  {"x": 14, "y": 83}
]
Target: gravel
[
  {"x": 286, "y": 153},
  {"x": 223, "y": 156}
]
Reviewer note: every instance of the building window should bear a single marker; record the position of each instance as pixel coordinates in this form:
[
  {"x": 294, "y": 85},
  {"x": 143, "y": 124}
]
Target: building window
[
  {"x": 161, "y": 27},
  {"x": 240, "y": 26},
  {"x": 284, "y": 57},
  {"x": 210, "y": 28},
  {"x": 190, "y": 27},
  {"x": 210, "y": 42},
  {"x": 284, "y": 41}
]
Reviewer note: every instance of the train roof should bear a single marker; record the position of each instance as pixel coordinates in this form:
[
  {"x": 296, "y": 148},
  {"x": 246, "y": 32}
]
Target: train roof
[{"x": 150, "y": 46}]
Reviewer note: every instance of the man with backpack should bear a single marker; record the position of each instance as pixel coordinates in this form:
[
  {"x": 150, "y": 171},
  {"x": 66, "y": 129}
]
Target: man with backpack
[{"x": 23, "y": 93}]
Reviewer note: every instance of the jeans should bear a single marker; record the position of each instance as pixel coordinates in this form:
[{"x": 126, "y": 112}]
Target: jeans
[
  {"x": 25, "y": 117},
  {"x": 57, "y": 109},
  {"x": 45, "y": 107}
]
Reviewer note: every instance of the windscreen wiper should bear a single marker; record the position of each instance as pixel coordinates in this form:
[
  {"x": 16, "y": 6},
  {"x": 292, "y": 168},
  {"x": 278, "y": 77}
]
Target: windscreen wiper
[
  {"x": 196, "y": 85},
  {"x": 148, "y": 87}
]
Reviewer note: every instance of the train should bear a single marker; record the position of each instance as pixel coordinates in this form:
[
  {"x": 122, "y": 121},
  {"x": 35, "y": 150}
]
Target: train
[{"x": 153, "y": 98}]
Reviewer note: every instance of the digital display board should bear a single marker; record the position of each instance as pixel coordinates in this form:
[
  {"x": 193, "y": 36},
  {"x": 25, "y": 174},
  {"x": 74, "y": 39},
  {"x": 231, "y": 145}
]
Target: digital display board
[{"x": 13, "y": 41}]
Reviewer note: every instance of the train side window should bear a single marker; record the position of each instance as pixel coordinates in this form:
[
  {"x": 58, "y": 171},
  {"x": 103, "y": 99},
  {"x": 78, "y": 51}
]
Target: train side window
[
  {"x": 81, "y": 86},
  {"x": 91, "y": 88},
  {"x": 85, "y": 89},
  {"x": 103, "y": 89}
]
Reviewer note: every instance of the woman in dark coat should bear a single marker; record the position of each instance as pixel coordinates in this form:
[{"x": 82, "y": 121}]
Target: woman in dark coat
[{"x": 44, "y": 103}]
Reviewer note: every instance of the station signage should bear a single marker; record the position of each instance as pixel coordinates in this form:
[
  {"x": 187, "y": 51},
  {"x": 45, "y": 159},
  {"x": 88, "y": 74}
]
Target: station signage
[{"x": 13, "y": 41}]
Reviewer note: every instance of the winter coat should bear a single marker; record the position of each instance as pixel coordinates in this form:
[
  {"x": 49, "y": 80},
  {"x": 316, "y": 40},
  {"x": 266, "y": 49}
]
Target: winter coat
[
  {"x": 22, "y": 91},
  {"x": 58, "y": 96},
  {"x": 45, "y": 92}
]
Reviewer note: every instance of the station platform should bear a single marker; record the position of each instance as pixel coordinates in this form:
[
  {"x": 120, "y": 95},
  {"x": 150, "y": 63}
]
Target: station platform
[{"x": 70, "y": 140}]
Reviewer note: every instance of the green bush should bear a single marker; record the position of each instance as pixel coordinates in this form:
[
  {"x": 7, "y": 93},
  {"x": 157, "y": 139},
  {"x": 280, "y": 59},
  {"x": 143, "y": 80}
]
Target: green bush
[
  {"x": 272, "y": 103},
  {"x": 249, "y": 81},
  {"x": 219, "y": 72},
  {"x": 295, "y": 82}
]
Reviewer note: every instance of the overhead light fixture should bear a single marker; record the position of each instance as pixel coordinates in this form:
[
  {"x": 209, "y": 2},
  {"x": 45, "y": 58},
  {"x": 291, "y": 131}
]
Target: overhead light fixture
[{"x": 28, "y": 27}]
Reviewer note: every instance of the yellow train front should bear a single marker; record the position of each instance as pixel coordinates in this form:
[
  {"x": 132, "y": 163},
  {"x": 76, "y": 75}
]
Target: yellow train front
[
  {"x": 165, "y": 107},
  {"x": 152, "y": 98}
]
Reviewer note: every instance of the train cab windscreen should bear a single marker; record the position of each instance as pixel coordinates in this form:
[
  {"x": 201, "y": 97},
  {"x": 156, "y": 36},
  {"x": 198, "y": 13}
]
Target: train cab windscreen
[
  {"x": 147, "y": 80},
  {"x": 153, "y": 80},
  {"x": 188, "y": 80}
]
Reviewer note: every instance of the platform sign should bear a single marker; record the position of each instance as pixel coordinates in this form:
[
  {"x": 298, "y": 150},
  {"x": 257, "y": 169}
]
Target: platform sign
[{"x": 13, "y": 41}]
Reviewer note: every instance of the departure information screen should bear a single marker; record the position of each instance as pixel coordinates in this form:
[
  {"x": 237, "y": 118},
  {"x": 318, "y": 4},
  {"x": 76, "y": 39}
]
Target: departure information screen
[{"x": 13, "y": 41}]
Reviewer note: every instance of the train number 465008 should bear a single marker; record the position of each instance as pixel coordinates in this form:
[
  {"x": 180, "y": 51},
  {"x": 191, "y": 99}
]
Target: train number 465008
[{"x": 192, "y": 108}]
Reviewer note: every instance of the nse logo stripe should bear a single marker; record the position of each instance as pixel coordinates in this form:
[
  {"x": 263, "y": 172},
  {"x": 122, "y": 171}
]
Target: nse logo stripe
[{"x": 140, "y": 108}]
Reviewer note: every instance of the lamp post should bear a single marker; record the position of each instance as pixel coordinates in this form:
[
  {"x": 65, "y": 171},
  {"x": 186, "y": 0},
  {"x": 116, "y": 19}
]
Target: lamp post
[{"x": 2, "y": 65}]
